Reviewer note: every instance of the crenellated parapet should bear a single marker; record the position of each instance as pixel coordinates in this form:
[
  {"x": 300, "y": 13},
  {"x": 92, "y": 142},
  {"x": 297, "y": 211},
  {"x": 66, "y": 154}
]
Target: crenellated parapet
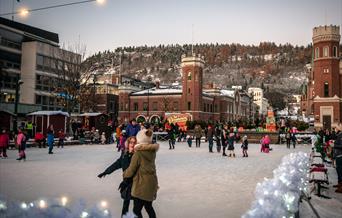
[{"x": 326, "y": 33}]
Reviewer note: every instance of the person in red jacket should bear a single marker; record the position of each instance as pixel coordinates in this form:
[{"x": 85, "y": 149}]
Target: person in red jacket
[{"x": 4, "y": 142}]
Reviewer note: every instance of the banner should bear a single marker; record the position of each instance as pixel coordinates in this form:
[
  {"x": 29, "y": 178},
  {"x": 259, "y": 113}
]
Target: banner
[{"x": 178, "y": 118}]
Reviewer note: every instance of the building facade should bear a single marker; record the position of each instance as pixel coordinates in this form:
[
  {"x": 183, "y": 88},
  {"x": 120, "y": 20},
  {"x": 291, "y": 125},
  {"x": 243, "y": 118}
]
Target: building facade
[
  {"x": 33, "y": 57},
  {"x": 190, "y": 98},
  {"x": 258, "y": 99},
  {"x": 326, "y": 78}
]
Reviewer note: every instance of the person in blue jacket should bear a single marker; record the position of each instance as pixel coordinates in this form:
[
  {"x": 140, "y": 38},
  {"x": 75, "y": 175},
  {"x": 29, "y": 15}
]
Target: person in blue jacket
[{"x": 132, "y": 128}]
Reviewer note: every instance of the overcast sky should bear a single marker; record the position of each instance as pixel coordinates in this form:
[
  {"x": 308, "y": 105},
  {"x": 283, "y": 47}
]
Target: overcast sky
[{"x": 153, "y": 22}]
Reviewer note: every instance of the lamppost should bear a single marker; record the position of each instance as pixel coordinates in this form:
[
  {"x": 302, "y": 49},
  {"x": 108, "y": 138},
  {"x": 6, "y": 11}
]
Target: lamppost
[
  {"x": 17, "y": 88},
  {"x": 148, "y": 104}
]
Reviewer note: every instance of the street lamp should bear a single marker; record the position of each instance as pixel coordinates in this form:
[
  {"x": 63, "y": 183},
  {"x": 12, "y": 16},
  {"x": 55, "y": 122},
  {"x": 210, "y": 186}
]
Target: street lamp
[{"x": 17, "y": 88}]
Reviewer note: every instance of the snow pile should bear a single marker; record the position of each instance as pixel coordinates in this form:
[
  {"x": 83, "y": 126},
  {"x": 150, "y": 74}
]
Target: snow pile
[
  {"x": 56, "y": 208},
  {"x": 279, "y": 196}
]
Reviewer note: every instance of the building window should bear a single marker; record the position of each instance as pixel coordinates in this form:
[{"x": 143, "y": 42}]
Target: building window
[
  {"x": 326, "y": 89},
  {"x": 155, "y": 106},
  {"x": 136, "y": 106},
  {"x": 326, "y": 51},
  {"x": 317, "y": 53},
  {"x": 204, "y": 108},
  {"x": 211, "y": 108},
  {"x": 189, "y": 75},
  {"x": 145, "y": 106},
  {"x": 215, "y": 108},
  {"x": 196, "y": 77},
  {"x": 189, "y": 90},
  {"x": 335, "y": 51},
  {"x": 121, "y": 106},
  {"x": 325, "y": 70},
  {"x": 189, "y": 105}
]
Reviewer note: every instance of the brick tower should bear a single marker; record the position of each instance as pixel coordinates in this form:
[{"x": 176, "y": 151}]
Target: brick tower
[
  {"x": 326, "y": 76},
  {"x": 192, "y": 81}
]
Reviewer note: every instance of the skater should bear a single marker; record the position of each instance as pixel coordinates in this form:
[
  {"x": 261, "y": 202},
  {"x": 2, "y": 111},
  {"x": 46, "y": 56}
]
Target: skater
[
  {"x": 123, "y": 162},
  {"x": 21, "y": 143},
  {"x": 103, "y": 138},
  {"x": 288, "y": 139},
  {"x": 4, "y": 142},
  {"x": 50, "y": 138},
  {"x": 210, "y": 137},
  {"x": 244, "y": 146},
  {"x": 217, "y": 138},
  {"x": 293, "y": 139},
  {"x": 122, "y": 140},
  {"x": 132, "y": 128},
  {"x": 231, "y": 139},
  {"x": 189, "y": 140},
  {"x": 143, "y": 171},
  {"x": 172, "y": 136},
  {"x": 61, "y": 138},
  {"x": 198, "y": 135},
  {"x": 224, "y": 139},
  {"x": 266, "y": 144}
]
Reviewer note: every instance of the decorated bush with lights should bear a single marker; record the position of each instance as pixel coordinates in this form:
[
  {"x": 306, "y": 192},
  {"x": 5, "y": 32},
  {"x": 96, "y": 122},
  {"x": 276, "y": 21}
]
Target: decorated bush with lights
[
  {"x": 279, "y": 196},
  {"x": 56, "y": 208}
]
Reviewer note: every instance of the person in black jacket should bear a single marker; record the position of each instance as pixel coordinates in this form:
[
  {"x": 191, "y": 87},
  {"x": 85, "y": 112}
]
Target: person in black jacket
[
  {"x": 123, "y": 162},
  {"x": 337, "y": 156}
]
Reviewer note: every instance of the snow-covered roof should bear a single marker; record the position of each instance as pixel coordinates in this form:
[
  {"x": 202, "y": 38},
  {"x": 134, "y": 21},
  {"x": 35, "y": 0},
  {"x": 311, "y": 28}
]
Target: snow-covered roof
[
  {"x": 92, "y": 114},
  {"x": 230, "y": 93},
  {"x": 49, "y": 113},
  {"x": 160, "y": 91}
]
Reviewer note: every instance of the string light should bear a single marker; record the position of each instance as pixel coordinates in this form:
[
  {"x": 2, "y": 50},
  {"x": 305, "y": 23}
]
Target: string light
[
  {"x": 42, "y": 204},
  {"x": 104, "y": 204},
  {"x": 24, "y": 12},
  {"x": 84, "y": 214},
  {"x": 64, "y": 201},
  {"x": 23, "y": 206}
]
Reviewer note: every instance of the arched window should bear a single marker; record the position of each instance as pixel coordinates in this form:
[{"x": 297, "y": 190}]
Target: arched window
[
  {"x": 326, "y": 51},
  {"x": 317, "y": 53},
  {"x": 335, "y": 51},
  {"x": 189, "y": 75},
  {"x": 326, "y": 89}
]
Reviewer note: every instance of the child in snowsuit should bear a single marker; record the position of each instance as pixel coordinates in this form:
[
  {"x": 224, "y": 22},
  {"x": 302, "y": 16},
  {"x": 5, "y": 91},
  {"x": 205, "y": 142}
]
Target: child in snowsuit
[{"x": 244, "y": 146}]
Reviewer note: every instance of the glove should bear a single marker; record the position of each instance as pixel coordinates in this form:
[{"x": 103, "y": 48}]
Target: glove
[
  {"x": 101, "y": 175},
  {"x": 123, "y": 185}
]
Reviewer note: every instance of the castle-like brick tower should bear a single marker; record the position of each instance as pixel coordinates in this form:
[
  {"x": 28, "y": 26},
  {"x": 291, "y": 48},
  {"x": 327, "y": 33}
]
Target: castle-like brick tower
[
  {"x": 192, "y": 80},
  {"x": 327, "y": 78}
]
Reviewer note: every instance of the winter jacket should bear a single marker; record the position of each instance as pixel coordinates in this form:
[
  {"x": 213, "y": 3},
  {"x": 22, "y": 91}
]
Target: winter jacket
[
  {"x": 210, "y": 133},
  {"x": 122, "y": 162},
  {"x": 132, "y": 130},
  {"x": 143, "y": 171},
  {"x": 50, "y": 137},
  {"x": 4, "y": 140},
  {"x": 244, "y": 144},
  {"x": 338, "y": 146},
  {"x": 21, "y": 141},
  {"x": 198, "y": 132}
]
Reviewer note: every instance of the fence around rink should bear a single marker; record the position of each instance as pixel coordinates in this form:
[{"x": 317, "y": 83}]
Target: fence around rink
[{"x": 279, "y": 196}]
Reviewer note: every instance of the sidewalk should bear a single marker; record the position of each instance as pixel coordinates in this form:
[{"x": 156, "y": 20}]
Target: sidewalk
[{"x": 322, "y": 207}]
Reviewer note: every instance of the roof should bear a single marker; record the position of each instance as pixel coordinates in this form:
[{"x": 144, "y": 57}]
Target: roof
[
  {"x": 49, "y": 113},
  {"x": 160, "y": 91},
  {"x": 91, "y": 114},
  {"x": 30, "y": 29},
  {"x": 230, "y": 93},
  {"x": 7, "y": 111}
]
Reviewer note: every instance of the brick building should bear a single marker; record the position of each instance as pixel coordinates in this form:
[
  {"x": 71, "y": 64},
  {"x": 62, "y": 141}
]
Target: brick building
[
  {"x": 191, "y": 98},
  {"x": 324, "y": 92}
]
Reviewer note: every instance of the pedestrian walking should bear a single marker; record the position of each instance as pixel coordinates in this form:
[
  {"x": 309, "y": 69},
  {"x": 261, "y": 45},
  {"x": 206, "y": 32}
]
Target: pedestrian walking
[
  {"x": 198, "y": 135},
  {"x": 231, "y": 139},
  {"x": 50, "y": 138},
  {"x": 210, "y": 137}
]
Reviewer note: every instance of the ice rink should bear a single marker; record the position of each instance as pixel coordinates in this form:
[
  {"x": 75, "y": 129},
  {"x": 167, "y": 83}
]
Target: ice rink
[{"x": 193, "y": 182}]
